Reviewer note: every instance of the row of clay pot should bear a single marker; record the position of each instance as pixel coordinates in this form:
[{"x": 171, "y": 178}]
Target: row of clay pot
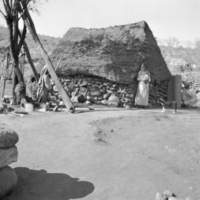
[
  {"x": 98, "y": 90},
  {"x": 8, "y": 155}
]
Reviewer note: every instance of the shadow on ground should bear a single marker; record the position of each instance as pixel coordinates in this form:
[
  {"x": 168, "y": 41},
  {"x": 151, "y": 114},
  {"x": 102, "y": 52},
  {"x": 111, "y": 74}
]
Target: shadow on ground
[{"x": 40, "y": 185}]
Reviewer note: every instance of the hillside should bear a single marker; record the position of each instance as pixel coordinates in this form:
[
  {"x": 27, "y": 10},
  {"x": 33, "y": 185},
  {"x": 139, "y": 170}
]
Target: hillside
[
  {"x": 48, "y": 42},
  {"x": 180, "y": 56}
]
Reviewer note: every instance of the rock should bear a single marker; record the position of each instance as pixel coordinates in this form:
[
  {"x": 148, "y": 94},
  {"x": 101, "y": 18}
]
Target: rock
[
  {"x": 61, "y": 103},
  {"x": 104, "y": 102},
  {"x": 167, "y": 194},
  {"x": 84, "y": 84},
  {"x": 103, "y": 90},
  {"x": 8, "y": 156},
  {"x": 113, "y": 89},
  {"x": 8, "y": 138},
  {"x": 88, "y": 102},
  {"x": 88, "y": 97},
  {"x": 29, "y": 107},
  {"x": 8, "y": 180},
  {"x": 96, "y": 93},
  {"x": 55, "y": 88},
  {"x": 113, "y": 98},
  {"x": 159, "y": 196}
]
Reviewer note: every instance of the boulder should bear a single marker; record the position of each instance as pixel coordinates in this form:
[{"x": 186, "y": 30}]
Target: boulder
[
  {"x": 113, "y": 98},
  {"x": 113, "y": 101},
  {"x": 8, "y": 180},
  {"x": 8, "y": 138},
  {"x": 114, "y": 53},
  {"x": 8, "y": 156}
]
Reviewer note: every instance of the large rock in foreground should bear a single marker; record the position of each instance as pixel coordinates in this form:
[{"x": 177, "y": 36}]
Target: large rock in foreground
[
  {"x": 8, "y": 138},
  {"x": 8, "y": 156},
  {"x": 8, "y": 180},
  {"x": 115, "y": 53}
]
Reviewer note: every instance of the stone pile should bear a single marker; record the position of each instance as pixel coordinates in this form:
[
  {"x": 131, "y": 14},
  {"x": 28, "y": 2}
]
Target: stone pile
[
  {"x": 99, "y": 90},
  {"x": 167, "y": 195},
  {"x": 8, "y": 155}
]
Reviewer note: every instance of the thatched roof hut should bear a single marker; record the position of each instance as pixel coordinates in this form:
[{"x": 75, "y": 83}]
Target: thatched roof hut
[{"x": 114, "y": 53}]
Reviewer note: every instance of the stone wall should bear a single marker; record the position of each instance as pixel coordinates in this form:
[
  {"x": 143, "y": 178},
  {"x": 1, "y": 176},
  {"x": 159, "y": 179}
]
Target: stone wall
[{"x": 96, "y": 89}]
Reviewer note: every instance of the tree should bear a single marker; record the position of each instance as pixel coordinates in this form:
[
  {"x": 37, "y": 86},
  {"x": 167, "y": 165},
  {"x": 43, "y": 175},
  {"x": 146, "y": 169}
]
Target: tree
[
  {"x": 172, "y": 42},
  {"x": 16, "y": 37},
  {"x": 19, "y": 9}
]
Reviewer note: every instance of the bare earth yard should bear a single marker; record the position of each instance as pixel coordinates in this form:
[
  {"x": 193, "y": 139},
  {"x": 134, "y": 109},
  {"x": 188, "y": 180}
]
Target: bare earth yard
[{"x": 106, "y": 154}]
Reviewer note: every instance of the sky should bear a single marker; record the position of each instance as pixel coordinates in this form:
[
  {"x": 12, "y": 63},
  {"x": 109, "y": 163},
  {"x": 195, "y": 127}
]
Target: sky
[{"x": 166, "y": 18}]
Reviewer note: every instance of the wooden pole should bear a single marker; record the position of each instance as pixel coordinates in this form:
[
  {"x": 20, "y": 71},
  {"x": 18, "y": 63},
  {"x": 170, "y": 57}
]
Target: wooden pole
[
  {"x": 29, "y": 24},
  {"x": 26, "y": 49},
  {"x": 4, "y": 86},
  {"x": 4, "y": 81},
  {"x": 58, "y": 64}
]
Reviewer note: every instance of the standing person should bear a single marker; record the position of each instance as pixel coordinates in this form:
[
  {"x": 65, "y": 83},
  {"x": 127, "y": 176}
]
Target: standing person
[
  {"x": 142, "y": 95},
  {"x": 45, "y": 86}
]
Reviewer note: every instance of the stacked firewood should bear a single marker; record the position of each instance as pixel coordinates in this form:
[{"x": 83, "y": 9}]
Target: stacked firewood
[{"x": 8, "y": 155}]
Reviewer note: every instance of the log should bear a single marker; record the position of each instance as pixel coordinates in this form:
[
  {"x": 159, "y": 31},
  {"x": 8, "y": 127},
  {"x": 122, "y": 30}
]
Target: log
[{"x": 29, "y": 24}]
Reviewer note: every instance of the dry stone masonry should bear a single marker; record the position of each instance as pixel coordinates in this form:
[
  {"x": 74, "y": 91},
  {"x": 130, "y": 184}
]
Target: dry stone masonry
[
  {"x": 101, "y": 90},
  {"x": 8, "y": 155}
]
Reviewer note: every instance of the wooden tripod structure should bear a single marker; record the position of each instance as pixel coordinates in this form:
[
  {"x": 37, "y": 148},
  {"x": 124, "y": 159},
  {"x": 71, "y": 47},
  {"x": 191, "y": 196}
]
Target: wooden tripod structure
[{"x": 31, "y": 27}]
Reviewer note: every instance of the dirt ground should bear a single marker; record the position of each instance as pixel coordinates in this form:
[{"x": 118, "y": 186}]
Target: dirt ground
[{"x": 106, "y": 154}]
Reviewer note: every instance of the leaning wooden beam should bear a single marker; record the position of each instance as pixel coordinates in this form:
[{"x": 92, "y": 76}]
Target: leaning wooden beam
[
  {"x": 30, "y": 59},
  {"x": 29, "y": 24}
]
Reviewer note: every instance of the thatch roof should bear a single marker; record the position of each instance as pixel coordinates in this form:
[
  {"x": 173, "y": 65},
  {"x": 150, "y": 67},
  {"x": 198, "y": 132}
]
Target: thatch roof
[{"x": 115, "y": 53}]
